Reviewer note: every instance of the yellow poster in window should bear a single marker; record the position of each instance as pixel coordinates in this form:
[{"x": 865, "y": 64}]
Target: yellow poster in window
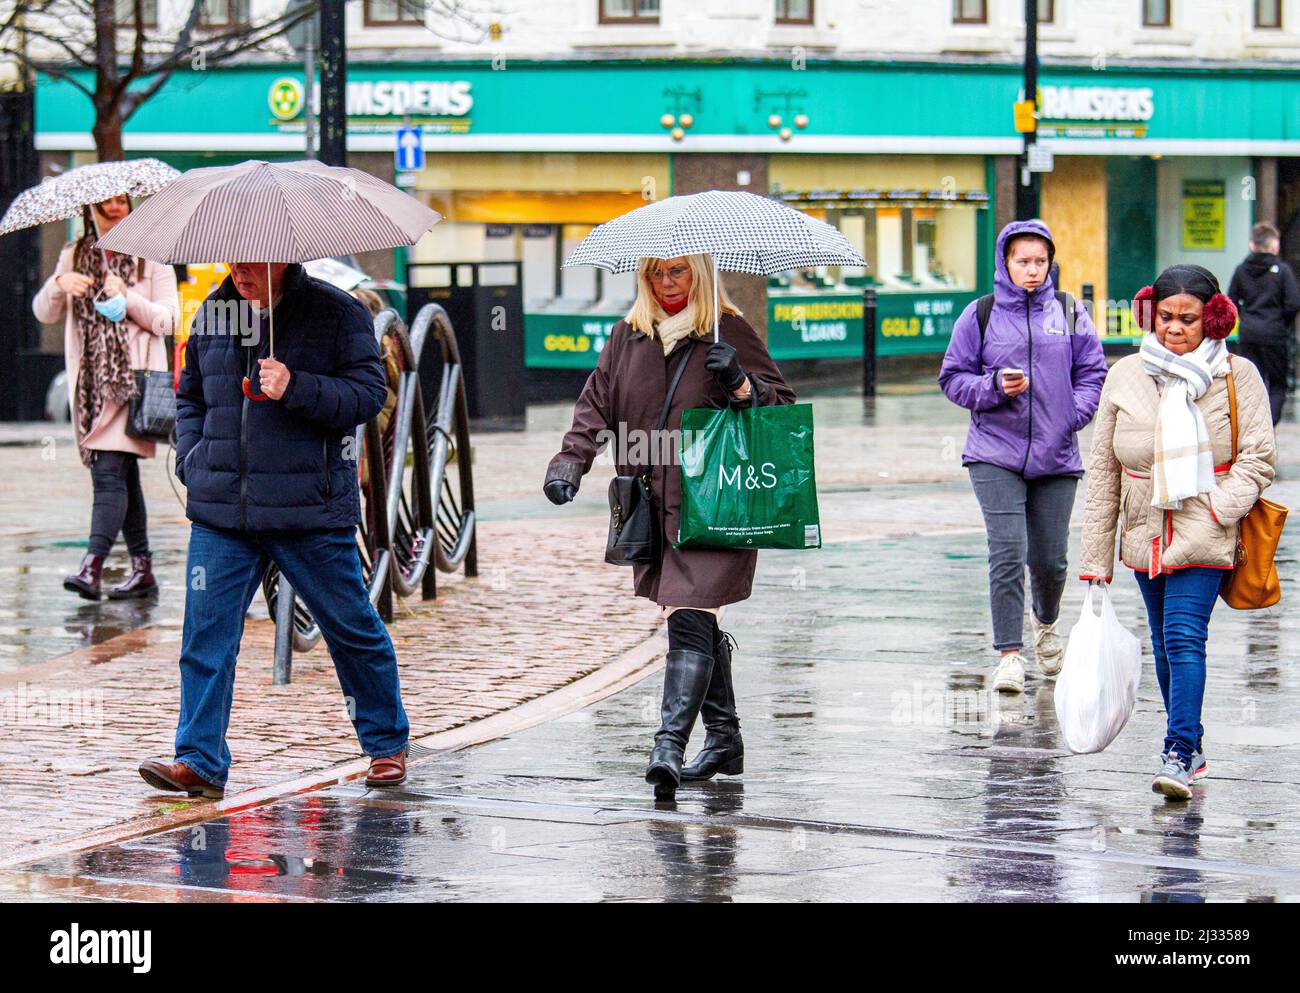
[{"x": 1203, "y": 215}]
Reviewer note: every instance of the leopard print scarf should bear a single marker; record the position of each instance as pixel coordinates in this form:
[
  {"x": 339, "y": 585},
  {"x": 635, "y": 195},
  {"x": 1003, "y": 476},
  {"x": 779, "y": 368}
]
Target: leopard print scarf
[{"x": 105, "y": 354}]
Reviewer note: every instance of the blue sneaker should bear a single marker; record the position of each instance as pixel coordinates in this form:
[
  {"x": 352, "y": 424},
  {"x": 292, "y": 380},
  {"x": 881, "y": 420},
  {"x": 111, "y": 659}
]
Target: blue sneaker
[{"x": 1173, "y": 780}]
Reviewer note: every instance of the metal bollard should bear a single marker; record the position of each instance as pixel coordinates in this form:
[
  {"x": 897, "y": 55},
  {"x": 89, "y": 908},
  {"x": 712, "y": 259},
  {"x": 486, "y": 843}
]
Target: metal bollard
[
  {"x": 868, "y": 342},
  {"x": 1089, "y": 302},
  {"x": 283, "y": 668}
]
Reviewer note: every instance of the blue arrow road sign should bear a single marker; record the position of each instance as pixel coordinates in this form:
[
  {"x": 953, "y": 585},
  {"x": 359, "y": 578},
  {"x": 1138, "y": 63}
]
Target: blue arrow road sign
[{"x": 410, "y": 149}]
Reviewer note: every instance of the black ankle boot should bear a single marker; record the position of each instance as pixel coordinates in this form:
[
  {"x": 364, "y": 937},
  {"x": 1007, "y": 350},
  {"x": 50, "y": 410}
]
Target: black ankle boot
[
  {"x": 686, "y": 681},
  {"x": 723, "y": 751}
]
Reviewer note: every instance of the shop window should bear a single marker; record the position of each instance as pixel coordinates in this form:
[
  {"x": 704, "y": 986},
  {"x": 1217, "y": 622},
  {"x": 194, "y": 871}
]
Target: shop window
[
  {"x": 1268, "y": 14},
  {"x": 913, "y": 240},
  {"x": 224, "y": 15},
  {"x": 1157, "y": 13},
  {"x": 794, "y": 11},
  {"x": 970, "y": 11},
  {"x": 387, "y": 13},
  {"x": 629, "y": 11},
  {"x": 126, "y": 13},
  {"x": 1046, "y": 11}
]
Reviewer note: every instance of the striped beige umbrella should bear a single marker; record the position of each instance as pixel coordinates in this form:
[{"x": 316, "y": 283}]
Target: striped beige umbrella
[{"x": 270, "y": 212}]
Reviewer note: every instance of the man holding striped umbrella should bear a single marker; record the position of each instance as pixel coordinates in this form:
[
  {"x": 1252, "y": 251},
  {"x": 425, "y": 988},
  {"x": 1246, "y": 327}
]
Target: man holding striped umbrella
[{"x": 265, "y": 438}]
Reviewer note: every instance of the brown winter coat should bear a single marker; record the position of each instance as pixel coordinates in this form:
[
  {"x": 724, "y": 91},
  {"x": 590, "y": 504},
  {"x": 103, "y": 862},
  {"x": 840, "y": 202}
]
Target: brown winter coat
[
  {"x": 1204, "y": 532},
  {"x": 624, "y": 395}
]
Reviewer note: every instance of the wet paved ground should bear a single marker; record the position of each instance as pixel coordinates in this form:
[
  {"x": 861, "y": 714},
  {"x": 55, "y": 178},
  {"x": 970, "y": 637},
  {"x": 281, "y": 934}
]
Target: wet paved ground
[
  {"x": 878, "y": 765},
  {"x": 45, "y": 501},
  {"x": 878, "y": 768}
]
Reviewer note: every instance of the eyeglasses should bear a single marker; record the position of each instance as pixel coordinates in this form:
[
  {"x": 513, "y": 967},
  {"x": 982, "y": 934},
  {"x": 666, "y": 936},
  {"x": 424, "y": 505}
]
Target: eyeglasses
[{"x": 675, "y": 274}]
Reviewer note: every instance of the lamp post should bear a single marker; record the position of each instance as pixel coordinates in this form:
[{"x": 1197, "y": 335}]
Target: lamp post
[
  {"x": 333, "y": 83},
  {"x": 1027, "y": 190}
]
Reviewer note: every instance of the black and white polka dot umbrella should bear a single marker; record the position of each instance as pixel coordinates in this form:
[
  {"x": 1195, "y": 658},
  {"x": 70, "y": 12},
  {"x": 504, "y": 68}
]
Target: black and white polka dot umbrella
[
  {"x": 743, "y": 232},
  {"x": 59, "y": 197}
]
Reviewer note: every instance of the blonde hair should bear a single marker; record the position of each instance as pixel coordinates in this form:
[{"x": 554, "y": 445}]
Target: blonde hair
[{"x": 646, "y": 311}]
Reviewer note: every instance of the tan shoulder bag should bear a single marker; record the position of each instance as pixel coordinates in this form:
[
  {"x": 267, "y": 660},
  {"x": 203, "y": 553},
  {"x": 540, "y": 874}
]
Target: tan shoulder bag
[{"x": 1253, "y": 582}]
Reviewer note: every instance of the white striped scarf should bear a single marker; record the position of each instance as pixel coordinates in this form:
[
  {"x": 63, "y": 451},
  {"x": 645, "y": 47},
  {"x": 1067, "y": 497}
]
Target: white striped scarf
[{"x": 1183, "y": 464}]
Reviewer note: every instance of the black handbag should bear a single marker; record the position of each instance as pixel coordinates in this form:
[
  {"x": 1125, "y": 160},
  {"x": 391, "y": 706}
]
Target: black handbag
[
  {"x": 635, "y": 537},
  {"x": 151, "y": 413}
]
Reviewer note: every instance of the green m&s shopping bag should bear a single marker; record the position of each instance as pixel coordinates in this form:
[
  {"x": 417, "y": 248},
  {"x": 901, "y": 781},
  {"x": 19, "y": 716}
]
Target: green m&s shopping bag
[{"x": 747, "y": 478}]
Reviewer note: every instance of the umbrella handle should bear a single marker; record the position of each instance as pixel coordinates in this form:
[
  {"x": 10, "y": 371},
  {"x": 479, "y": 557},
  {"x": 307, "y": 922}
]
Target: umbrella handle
[
  {"x": 95, "y": 221},
  {"x": 247, "y": 387},
  {"x": 270, "y": 311},
  {"x": 717, "y": 317}
]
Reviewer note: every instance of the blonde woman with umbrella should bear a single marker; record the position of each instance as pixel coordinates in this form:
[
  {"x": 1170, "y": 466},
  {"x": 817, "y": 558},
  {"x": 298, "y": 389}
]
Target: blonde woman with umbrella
[{"x": 677, "y": 247}]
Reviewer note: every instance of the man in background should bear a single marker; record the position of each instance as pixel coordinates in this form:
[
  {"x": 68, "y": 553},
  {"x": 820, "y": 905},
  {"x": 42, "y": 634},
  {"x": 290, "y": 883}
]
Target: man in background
[{"x": 1267, "y": 298}]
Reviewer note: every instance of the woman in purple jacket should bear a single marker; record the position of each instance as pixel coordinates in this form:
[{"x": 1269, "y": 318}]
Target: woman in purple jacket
[{"x": 1031, "y": 379}]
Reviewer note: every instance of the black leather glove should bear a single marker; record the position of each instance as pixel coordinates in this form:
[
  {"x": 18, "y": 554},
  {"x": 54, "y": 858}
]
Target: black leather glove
[
  {"x": 724, "y": 363},
  {"x": 559, "y": 491}
]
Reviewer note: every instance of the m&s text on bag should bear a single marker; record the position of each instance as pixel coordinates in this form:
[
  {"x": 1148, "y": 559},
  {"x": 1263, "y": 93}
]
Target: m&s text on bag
[{"x": 751, "y": 480}]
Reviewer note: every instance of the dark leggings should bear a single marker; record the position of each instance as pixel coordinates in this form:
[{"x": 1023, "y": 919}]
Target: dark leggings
[
  {"x": 692, "y": 631},
  {"x": 119, "y": 504}
]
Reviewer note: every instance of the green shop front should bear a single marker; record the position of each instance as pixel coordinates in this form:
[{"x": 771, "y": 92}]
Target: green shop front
[{"x": 905, "y": 159}]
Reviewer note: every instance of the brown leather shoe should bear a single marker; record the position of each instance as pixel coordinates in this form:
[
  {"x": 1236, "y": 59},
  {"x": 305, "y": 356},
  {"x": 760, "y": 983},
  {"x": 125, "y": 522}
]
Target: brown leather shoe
[
  {"x": 390, "y": 771},
  {"x": 139, "y": 584},
  {"x": 85, "y": 581},
  {"x": 177, "y": 777}
]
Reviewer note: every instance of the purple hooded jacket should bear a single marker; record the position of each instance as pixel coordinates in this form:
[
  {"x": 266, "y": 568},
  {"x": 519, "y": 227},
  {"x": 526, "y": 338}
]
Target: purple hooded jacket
[{"x": 1033, "y": 433}]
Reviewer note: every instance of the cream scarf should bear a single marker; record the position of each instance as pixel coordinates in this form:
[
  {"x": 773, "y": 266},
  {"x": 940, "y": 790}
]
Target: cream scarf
[
  {"x": 674, "y": 327},
  {"x": 1183, "y": 465}
]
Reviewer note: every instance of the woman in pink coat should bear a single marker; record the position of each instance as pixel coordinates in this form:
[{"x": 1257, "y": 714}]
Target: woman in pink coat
[{"x": 116, "y": 311}]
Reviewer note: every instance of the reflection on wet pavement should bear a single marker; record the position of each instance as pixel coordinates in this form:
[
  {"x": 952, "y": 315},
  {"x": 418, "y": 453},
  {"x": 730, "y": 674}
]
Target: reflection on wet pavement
[
  {"x": 40, "y": 620},
  {"x": 878, "y": 768}
]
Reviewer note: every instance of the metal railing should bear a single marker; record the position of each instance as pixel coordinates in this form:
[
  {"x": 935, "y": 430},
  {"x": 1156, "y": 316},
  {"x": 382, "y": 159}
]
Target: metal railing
[{"x": 413, "y": 514}]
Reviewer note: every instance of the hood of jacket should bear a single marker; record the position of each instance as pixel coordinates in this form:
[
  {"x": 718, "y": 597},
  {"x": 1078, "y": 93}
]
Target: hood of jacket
[
  {"x": 1033, "y": 433},
  {"x": 1007, "y": 294}
]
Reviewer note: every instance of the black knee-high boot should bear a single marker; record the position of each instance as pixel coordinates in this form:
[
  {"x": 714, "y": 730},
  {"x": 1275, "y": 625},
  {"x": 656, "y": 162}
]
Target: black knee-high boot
[
  {"x": 686, "y": 681},
  {"x": 723, "y": 751}
]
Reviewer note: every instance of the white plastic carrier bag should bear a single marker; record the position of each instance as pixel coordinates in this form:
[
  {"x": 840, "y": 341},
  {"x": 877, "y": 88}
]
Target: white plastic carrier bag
[{"x": 1097, "y": 688}]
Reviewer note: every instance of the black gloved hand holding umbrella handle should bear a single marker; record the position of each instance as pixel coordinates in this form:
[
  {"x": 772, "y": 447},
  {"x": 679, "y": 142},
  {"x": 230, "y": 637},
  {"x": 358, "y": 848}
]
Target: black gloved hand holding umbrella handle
[{"x": 725, "y": 365}]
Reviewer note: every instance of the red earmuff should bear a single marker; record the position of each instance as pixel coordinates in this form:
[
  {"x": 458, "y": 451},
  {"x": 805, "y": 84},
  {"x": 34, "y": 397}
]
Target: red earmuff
[
  {"x": 1144, "y": 305},
  {"x": 1219, "y": 317}
]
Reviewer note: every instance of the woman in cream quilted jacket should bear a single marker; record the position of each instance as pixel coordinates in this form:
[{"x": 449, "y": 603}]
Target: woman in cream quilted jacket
[{"x": 1162, "y": 475}]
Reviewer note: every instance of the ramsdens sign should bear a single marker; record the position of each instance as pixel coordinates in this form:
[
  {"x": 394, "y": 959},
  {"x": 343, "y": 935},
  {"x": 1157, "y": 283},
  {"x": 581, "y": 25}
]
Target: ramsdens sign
[
  {"x": 397, "y": 98},
  {"x": 1095, "y": 103},
  {"x": 380, "y": 98}
]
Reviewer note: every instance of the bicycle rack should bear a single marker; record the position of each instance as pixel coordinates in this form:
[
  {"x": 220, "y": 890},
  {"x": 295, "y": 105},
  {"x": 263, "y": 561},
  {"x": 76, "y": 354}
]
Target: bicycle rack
[{"x": 412, "y": 515}]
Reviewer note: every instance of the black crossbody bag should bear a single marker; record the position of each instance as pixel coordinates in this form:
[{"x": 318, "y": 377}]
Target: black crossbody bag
[{"x": 635, "y": 536}]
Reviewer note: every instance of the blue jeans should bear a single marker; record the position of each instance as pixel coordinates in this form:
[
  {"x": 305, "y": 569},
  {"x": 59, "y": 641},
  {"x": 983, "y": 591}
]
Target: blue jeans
[
  {"x": 223, "y": 573},
  {"x": 1178, "y": 610}
]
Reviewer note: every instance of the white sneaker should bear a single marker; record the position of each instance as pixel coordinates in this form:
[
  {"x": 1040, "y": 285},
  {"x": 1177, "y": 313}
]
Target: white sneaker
[
  {"x": 1047, "y": 648},
  {"x": 1010, "y": 674}
]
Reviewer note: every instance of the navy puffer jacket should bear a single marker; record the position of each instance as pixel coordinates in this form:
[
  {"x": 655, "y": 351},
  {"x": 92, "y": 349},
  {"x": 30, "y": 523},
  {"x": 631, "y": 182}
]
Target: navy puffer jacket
[{"x": 287, "y": 464}]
